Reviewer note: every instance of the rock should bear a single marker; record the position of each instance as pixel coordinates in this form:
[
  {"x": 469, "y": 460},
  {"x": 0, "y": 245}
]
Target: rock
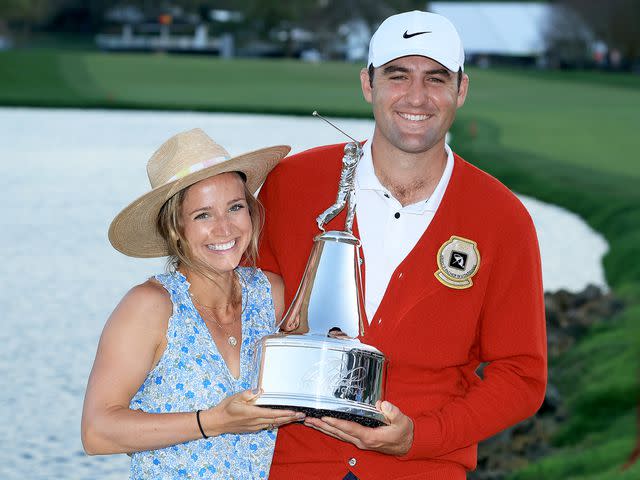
[
  {"x": 552, "y": 400},
  {"x": 589, "y": 294}
]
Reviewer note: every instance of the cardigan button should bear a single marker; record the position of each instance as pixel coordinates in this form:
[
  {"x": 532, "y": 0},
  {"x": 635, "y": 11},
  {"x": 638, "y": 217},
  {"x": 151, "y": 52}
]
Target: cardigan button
[{"x": 352, "y": 462}]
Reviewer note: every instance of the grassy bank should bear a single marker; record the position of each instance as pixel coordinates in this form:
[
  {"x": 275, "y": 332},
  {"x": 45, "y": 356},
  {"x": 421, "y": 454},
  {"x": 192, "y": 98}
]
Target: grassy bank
[
  {"x": 599, "y": 381},
  {"x": 569, "y": 139}
]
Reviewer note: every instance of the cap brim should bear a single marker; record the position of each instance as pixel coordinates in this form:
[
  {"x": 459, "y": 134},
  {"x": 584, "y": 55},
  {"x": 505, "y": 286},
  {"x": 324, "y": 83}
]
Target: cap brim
[{"x": 448, "y": 63}]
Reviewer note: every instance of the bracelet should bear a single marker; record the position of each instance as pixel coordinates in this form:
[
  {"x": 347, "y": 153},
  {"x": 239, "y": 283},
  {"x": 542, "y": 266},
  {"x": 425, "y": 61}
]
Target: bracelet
[{"x": 200, "y": 425}]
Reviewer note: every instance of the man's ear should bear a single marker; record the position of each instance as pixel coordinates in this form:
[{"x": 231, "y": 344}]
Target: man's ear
[
  {"x": 463, "y": 90},
  {"x": 365, "y": 84}
]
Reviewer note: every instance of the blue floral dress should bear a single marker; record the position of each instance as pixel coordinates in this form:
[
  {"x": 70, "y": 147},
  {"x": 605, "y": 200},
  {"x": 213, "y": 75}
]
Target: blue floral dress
[{"x": 192, "y": 375}]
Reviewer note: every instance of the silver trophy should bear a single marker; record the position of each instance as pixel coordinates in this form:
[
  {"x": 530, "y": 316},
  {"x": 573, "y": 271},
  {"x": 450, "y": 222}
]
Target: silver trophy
[{"x": 322, "y": 368}]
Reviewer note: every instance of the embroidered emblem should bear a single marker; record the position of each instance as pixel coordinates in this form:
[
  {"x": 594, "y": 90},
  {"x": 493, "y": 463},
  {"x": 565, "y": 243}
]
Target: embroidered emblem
[{"x": 458, "y": 261}]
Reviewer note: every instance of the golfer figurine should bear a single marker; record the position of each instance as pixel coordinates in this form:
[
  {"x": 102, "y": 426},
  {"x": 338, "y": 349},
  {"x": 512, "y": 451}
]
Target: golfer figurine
[{"x": 346, "y": 188}]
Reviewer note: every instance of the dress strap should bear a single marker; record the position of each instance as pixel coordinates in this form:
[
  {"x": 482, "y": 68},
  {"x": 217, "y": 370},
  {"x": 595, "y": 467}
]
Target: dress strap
[{"x": 176, "y": 284}]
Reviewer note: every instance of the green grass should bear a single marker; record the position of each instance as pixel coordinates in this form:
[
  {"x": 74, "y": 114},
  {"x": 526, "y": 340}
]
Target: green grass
[
  {"x": 566, "y": 138},
  {"x": 600, "y": 376},
  {"x": 599, "y": 381},
  {"x": 598, "y": 457},
  {"x": 158, "y": 81},
  {"x": 577, "y": 121}
]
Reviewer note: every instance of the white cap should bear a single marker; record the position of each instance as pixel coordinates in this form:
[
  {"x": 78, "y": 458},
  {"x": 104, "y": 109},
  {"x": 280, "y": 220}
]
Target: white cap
[{"x": 417, "y": 33}]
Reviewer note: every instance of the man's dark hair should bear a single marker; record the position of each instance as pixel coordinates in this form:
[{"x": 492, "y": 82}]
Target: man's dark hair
[{"x": 372, "y": 70}]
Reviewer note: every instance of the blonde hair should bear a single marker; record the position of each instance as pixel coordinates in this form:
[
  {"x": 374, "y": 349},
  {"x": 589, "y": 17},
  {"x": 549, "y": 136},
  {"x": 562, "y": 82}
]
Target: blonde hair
[{"x": 170, "y": 228}]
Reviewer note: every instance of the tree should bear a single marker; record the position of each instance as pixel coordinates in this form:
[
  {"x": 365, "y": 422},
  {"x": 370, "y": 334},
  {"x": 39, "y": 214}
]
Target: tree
[
  {"x": 615, "y": 22},
  {"x": 23, "y": 14},
  {"x": 568, "y": 38},
  {"x": 26, "y": 11},
  {"x": 322, "y": 17}
]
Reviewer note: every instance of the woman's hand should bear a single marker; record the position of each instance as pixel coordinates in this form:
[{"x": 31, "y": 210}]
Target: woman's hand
[{"x": 238, "y": 414}]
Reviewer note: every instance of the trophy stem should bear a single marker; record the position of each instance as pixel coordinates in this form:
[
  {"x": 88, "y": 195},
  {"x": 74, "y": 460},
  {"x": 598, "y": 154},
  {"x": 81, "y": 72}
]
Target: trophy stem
[{"x": 330, "y": 292}]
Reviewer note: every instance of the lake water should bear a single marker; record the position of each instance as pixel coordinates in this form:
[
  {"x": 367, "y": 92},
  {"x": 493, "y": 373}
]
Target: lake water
[{"x": 65, "y": 174}]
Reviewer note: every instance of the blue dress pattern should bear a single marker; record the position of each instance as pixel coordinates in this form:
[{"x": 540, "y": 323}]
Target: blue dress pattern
[{"x": 192, "y": 375}]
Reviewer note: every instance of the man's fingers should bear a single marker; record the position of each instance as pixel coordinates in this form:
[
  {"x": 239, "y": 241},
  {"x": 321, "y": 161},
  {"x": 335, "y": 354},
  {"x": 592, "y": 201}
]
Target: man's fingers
[
  {"x": 350, "y": 428},
  {"x": 390, "y": 411},
  {"x": 336, "y": 432},
  {"x": 320, "y": 429}
]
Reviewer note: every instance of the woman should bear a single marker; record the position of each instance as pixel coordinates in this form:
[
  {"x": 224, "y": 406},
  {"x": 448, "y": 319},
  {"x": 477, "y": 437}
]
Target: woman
[{"x": 171, "y": 376}]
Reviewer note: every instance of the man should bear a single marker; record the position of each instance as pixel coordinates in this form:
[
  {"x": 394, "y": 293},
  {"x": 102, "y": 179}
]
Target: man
[{"x": 451, "y": 269}]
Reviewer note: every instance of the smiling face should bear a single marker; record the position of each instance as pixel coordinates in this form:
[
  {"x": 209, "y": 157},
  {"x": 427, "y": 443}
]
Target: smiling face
[
  {"x": 216, "y": 222},
  {"x": 414, "y": 103}
]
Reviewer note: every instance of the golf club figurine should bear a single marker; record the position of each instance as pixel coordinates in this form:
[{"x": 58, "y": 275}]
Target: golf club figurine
[{"x": 346, "y": 189}]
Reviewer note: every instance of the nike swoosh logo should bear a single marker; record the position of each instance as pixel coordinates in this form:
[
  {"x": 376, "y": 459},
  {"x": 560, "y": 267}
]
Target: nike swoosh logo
[{"x": 406, "y": 34}]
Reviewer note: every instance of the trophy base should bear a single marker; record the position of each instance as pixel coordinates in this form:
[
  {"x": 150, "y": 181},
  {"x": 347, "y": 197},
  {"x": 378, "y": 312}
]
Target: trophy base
[
  {"x": 324, "y": 407},
  {"x": 320, "y": 412}
]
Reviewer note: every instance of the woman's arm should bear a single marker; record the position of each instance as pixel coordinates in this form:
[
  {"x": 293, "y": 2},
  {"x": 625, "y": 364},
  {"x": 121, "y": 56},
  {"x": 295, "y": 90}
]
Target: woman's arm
[{"x": 132, "y": 342}]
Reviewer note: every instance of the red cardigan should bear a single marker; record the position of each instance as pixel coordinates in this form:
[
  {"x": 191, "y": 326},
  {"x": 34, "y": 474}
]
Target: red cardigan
[{"x": 434, "y": 336}]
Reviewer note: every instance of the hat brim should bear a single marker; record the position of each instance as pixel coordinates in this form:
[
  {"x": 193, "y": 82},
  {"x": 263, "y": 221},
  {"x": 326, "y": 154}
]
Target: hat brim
[
  {"x": 133, "y": 231},
  {"x": 450, "y": 64}
]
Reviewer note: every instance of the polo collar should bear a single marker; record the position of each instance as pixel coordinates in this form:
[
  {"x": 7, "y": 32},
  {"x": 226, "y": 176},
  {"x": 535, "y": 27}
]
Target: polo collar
[{"x": 366, "y": 179}]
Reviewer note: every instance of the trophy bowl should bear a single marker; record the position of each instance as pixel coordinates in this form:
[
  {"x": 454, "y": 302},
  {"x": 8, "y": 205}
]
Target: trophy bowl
[{"x": 340, "y": 378}]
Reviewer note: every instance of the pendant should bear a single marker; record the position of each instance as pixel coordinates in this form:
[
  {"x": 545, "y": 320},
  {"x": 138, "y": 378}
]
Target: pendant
[{"x": 232, "y": 341}]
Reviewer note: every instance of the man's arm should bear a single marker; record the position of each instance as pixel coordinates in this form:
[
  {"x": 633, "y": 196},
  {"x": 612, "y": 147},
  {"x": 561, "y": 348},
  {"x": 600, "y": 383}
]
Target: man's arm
[{"x": 512, "y": 340}]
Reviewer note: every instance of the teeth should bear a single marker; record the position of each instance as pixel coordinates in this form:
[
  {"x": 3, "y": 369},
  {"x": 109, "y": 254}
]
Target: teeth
[
  {"x": 414, "y": 118},
  {"x": 222, "y": 246}
]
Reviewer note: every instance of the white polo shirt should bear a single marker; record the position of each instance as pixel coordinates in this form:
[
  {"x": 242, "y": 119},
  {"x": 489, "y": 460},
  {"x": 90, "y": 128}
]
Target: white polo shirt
[{"x": 388, "y": 230}]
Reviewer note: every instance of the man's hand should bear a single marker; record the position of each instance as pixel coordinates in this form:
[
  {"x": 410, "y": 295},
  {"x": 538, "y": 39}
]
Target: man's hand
[{"x": 395, "y": 438}]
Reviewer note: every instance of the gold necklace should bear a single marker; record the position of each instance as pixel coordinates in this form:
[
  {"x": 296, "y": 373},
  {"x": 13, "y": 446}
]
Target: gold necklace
[{"x": 231, "y": 340}]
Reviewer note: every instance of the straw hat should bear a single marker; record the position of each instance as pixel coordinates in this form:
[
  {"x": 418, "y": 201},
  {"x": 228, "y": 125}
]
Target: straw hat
[{"x": 181, "y": 161}]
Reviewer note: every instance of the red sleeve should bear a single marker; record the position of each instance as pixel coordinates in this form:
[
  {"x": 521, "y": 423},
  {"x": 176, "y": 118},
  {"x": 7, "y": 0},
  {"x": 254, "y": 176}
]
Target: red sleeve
[
  {"x": 266, "y": 256},
  {"x": 512, "y": 340}
]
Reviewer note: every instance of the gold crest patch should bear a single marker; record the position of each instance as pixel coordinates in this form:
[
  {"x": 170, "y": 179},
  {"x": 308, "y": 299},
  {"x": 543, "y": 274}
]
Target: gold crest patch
[{"x": 458, "y": 261}]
